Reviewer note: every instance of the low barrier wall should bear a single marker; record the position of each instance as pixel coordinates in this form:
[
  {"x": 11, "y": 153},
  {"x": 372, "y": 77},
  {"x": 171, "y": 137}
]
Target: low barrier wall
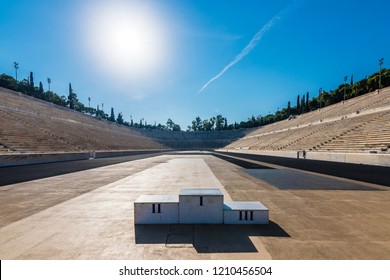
[
  {"x": 358, "y": 158},
  {"x": 26, "y": 159},
  {"x": 105, "y": 154},
  {"x": 369, "y": 159}
]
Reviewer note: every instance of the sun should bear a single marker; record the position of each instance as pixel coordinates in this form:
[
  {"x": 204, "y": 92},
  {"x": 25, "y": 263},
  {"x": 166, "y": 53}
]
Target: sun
[{"x": 127, "y": 39}]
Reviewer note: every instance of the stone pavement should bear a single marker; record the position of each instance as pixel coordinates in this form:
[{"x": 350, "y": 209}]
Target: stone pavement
[{"x": 89, "y": 215}]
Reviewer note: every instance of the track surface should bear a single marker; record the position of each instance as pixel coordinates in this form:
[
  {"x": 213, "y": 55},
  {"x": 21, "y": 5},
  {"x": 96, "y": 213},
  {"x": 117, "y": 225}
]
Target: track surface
[
  {"x": 366, "y": 173},
  {"x": 90, "y": 215}
]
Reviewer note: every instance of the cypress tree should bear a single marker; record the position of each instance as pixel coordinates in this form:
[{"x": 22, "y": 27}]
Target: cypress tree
[
  {"x": 70, "y": 97},
  {"x": 31, "y": 84},
  {"x": 41, "y": 91},
  {"x": 289, "y": 108},
  {"x": 307, "y": 102},
  {"x": 112, "y": 117}
]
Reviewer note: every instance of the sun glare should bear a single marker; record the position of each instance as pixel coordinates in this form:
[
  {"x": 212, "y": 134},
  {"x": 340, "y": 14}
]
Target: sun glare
[{"x": 127, "y": 39}]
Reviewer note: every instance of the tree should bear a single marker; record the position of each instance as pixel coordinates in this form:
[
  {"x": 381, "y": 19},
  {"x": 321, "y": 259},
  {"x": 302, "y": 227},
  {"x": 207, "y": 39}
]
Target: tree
[
  {"x": 31, "y": 79},
  {"x": 219, "y": 121},
  {"x": 24, "y": 86},
  {"x": 41, "y": 91},
  {"x": 176, "y": 127},
  {"x": 207, "y": 125},
  {"x": 307, "y": 109},
  {"x": 8, "y": 82},
  {"x": 31, "y": 84},
  {"x": 326, "y": 98},
  {"x": 197, "y": 124},
  {"x": 71, "y": 97},
  {"x": 119, "y": 119},
  {"x": 112, "y": 117},
  {"x": 172, "y": 126},
  {"x": 73, "y": 102},
  {"x": 303, "y": 104},
  {"x": 298, "y": 105},
  {"x": 252, "y": 121},
  {"x": 289, "y": 108}
]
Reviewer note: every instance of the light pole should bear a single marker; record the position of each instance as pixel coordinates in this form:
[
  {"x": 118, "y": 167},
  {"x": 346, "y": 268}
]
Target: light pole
[
  {"x": 380, "y": 74},
  {"x": 345, "y": 85},
  {"x": 16, "y": 66}
]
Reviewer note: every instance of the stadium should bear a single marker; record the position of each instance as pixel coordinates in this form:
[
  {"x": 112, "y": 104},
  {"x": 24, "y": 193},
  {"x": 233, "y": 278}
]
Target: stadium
[
  {"x": 224, "y": 138},
  {"x": 69, "y": 181}
]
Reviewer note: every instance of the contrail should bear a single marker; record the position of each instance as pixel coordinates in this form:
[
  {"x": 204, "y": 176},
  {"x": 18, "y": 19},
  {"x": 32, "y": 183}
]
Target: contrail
[{"x": 251, "y": 45}]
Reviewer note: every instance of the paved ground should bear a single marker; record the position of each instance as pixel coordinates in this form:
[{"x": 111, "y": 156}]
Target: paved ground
[{"x": 89, "y": 215}]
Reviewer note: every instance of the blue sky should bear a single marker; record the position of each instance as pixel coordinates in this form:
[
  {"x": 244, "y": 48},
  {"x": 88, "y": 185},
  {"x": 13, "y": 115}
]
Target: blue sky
[{"x": 149, "y": 59}]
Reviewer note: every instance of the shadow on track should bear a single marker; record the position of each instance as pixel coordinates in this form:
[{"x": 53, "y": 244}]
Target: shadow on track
[
  {"x": 207, "y": 238},
  {"x": 365, "y": 173}
]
